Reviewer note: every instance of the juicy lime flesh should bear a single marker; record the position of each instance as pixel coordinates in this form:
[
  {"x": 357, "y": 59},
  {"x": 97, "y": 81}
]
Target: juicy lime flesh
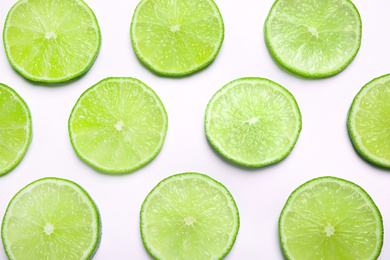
[
  {"x": 314, "y": 37},
  {"x": 253, "y": 121},
  {"x": 119, "y": 124},
  {"x": 51, "y": 40},
  {"x": 50, "y": 220},
  {"x": 189, "y": 216},
  {"x": 371, "y": 123},
  {"x": 331, "y": 220},
  {"x": 177, "y": 36},
  {"x": 15, "y": 128}
]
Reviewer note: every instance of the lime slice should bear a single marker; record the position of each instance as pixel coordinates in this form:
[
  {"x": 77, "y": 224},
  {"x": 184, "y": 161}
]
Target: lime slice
[
  {"x": 118, "y": 125},
  {"x": 313, "y": 38},
  {"x": 369, "y": 121},
  {"x": 51, "y": 218},
  {"x": 177, "y": 37},
  {"x": 15, "y": 128},
  {"x": 51, "y": 41},
  {"x": 189, "y": 216},
  {"x": 330, "y": 219},
  {"x": 253, "y": 121}
]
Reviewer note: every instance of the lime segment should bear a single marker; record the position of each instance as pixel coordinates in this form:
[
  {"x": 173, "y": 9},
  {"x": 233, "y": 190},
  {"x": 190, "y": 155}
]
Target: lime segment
[
  {"x": 51, "y": 41},
  {"x": 313, "y": 38},
  {"x": 15, "y": 128},
  {"x": 331, "y": 219},
  {"x": 253, "y": 121},
  {"x": 51, "y": 219},
  {"x": 369, "y": 121},
  {"x": 177, "y": 37},
  {"x": 118, "y": 125},
  {"x": 189, "y": 214}
]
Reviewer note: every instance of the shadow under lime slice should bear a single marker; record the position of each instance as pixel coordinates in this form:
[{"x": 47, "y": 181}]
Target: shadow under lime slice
[
  {"x": 118, "y": 125},
  {"x": 369, "y": 121},
  {"x": 330, "y": 219},
  {"x": 177, "y": 37},
  {"x": 253, "y": 121},
  {"x": 15, "y": 128},
  {"x": 313, "y": 38},
  {"x": 189, "y": 216},
  {"x": 51, "y": 218},
  {"x": 51, "y": 40}
]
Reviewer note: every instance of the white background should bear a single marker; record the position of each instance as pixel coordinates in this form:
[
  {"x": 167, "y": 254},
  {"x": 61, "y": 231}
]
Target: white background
[{"x": 323, "y": 147}]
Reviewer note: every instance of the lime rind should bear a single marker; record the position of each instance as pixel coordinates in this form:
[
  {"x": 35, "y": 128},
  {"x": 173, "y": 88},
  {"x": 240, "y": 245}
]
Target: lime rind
[
  {"x": 303, "y": 73},
  {"x": 28, "y": 126},
  {"x": 359, "y": 190},
  {"x": 210, "y": 181},
  {"x": 240, "y": 161},
  {"x": 143, "y": 162},
  {"x": 27, "y": 75},
  {"x": 355, "y": 138},
  {"x": 86, "y": 198},
  {"x": 191, "y": 70}
]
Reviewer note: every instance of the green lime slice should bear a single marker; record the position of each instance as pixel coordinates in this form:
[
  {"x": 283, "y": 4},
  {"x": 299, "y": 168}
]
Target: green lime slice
[
  {"x": 253, "y": 121},
  {"x": 330, "y": 219},
  {"x": 51, "y": 41},
  {"x": 313, "y": 38},
  {"x": 177, "y": 37},
  {"x": 189, "y": 216},
  {"x": 51, "y": 218},
  {"x": 118, "y": 125},
  {"x": 369, "y": 121},
  {"x": 15, "y": 128}
]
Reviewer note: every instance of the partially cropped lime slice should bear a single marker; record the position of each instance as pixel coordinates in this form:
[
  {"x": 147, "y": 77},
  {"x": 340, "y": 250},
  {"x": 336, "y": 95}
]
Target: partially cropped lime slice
[
  {"x": 51, "y": 218},
  {"x": 331, "y": 219},
  {"x": 177, "y": 37},
  {"x": 313, "y": 38},
  {"x": 189, "y": 216},
  {"x": 15, "y": 128},
  {"x": 253, "y": 121},
  {"x": 118, "y": 125},
  {"x": 51, "y": 40},
  {"x": 369, "y": 121}
]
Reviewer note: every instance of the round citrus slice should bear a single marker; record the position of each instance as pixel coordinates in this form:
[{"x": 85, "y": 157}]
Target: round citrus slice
[
  {"x": 330, "y": 219},
  {"x": 253, "y": 121},
  {"x": 118, "y": 125},
  {"x": 15, "y": 128},
  {"x": 313, "y": 38},
  {"x": 51, "y": 41},
  {"x": 51, "y": 218},
  {"x": 189, "y": 215},
  {"x": 177, "y": 37},
  {"x": 369, "y": 121}
]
